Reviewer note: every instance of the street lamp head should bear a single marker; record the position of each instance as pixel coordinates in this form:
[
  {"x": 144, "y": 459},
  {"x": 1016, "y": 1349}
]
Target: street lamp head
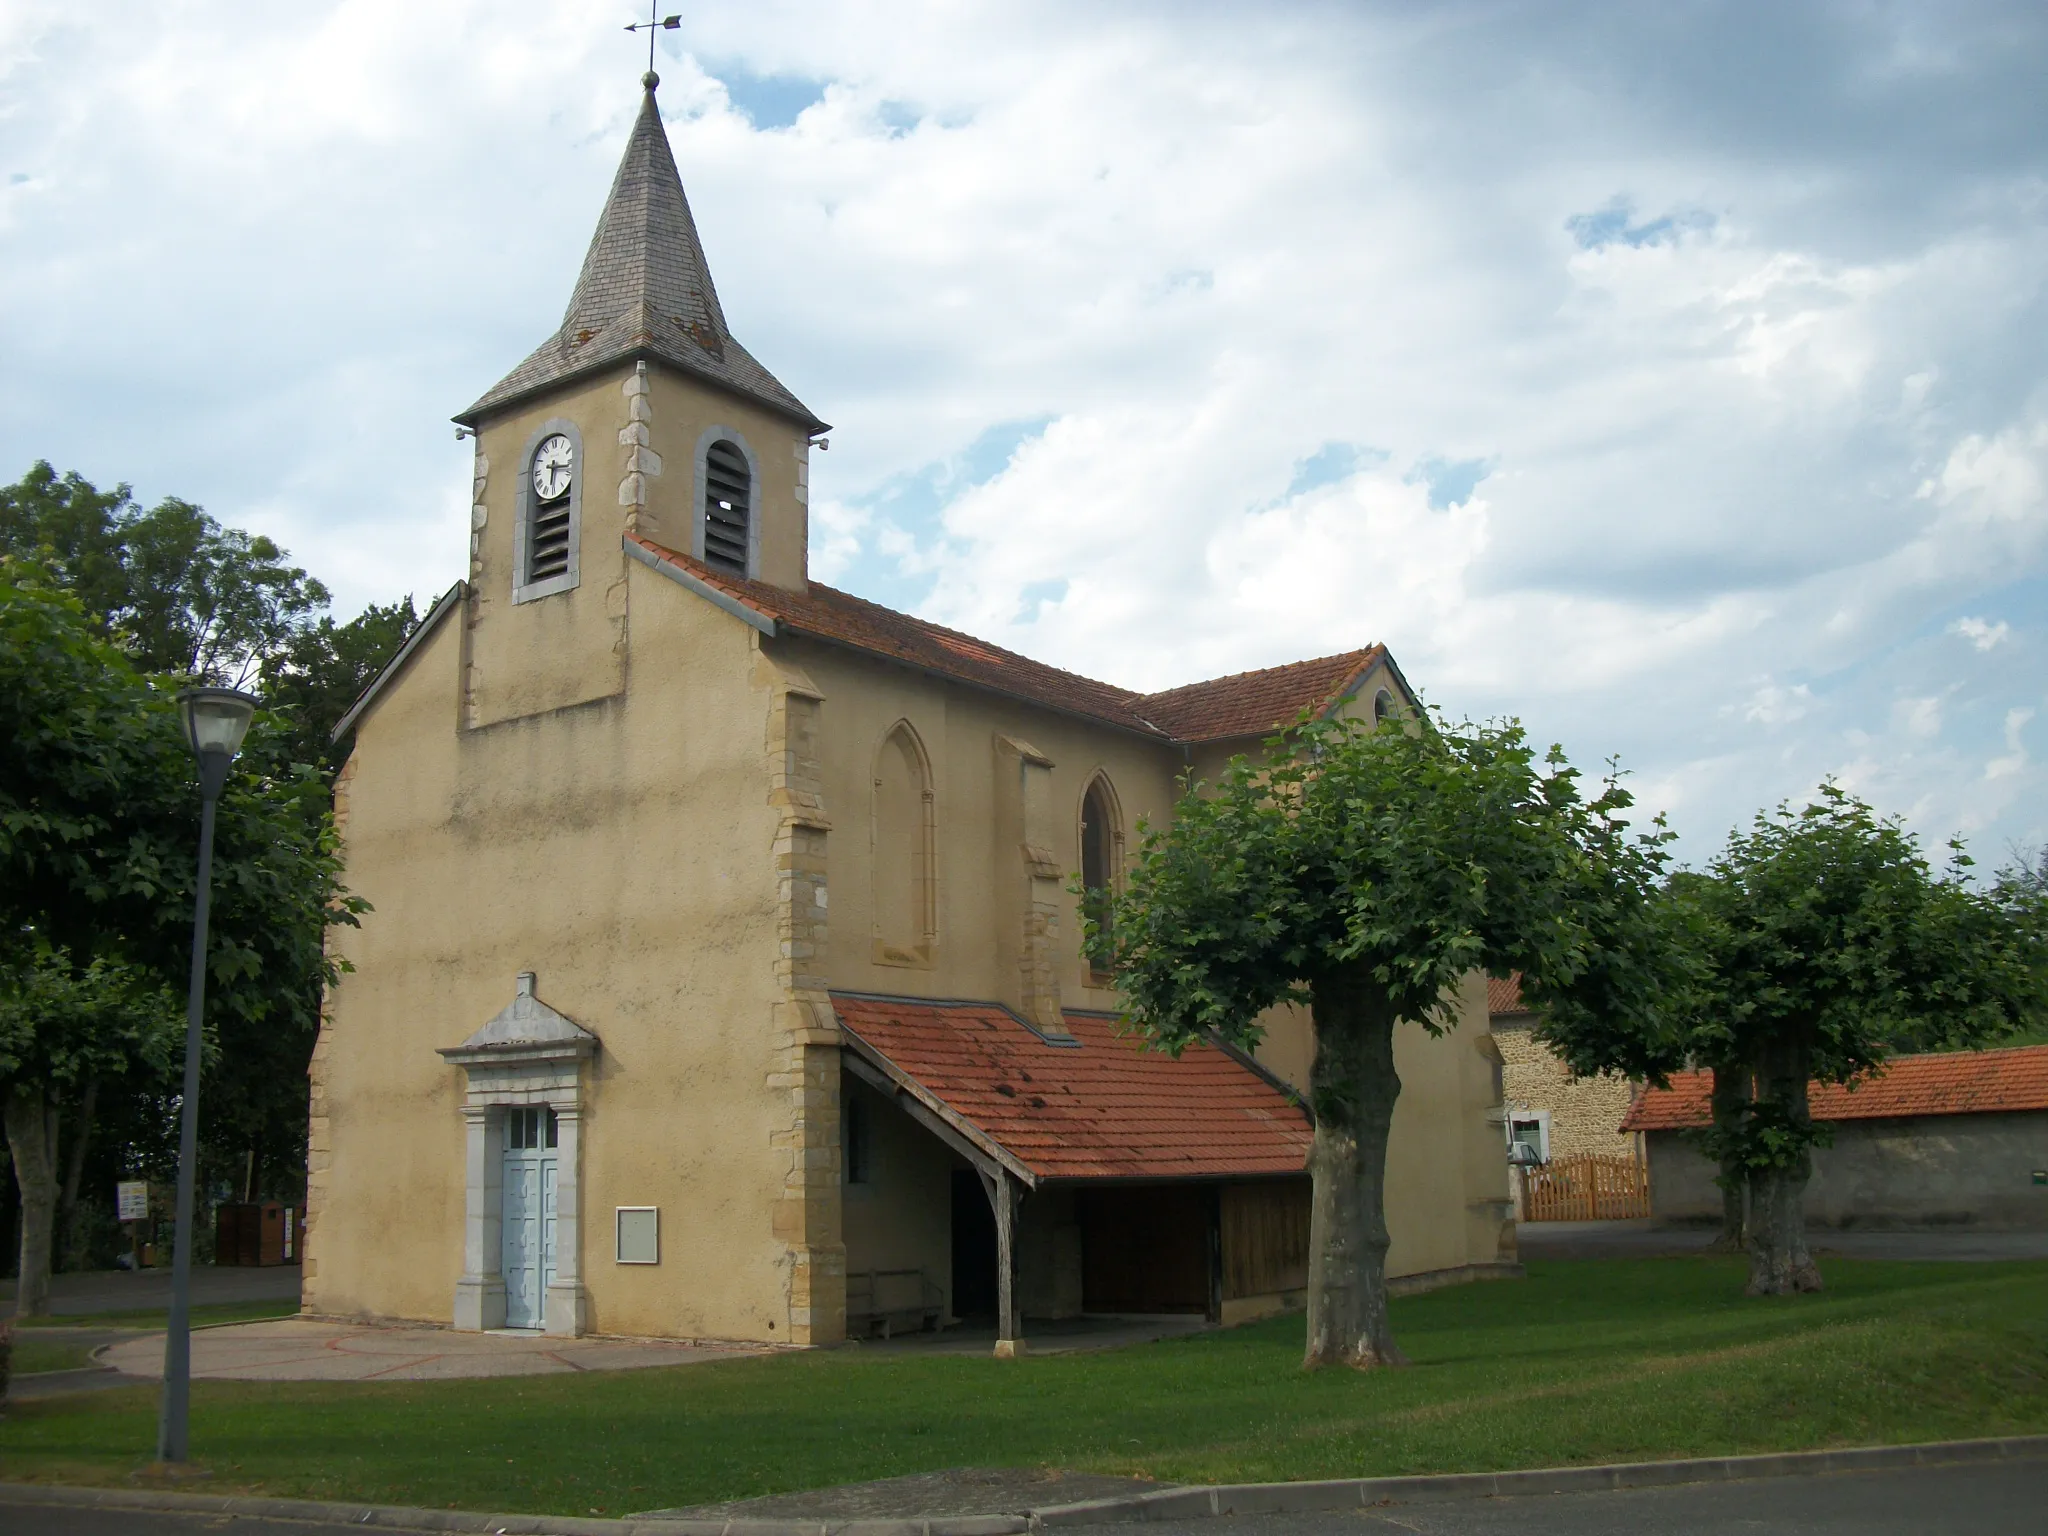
[{"x": 216, "y": 720}]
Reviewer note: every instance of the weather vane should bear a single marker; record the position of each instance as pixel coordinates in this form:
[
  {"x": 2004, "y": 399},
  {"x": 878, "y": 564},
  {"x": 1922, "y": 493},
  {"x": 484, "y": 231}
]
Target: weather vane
[{"x": 650, "y": 26}]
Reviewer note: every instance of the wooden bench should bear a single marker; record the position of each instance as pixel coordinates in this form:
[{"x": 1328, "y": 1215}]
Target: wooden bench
[{"x": 886, "y": 1301}]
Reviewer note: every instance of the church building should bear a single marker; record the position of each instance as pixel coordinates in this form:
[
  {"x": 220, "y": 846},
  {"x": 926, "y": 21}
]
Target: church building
[{"x": 724, "y": 978}]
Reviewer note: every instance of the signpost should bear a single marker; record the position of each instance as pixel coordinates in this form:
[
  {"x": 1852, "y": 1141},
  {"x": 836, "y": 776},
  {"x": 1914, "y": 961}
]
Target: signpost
[{"x": 132, "y": 1199}]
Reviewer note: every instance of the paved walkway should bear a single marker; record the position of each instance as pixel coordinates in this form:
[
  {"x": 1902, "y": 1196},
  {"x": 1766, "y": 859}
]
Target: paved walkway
[
  {"x": 1646, "y": 1239},
  {"x": 307, "y": 1349},
  {"x": 1042, "y": 1336}
]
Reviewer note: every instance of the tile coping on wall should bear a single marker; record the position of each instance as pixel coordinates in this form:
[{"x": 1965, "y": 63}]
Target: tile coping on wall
[{"x": 1164, "y": 1504}]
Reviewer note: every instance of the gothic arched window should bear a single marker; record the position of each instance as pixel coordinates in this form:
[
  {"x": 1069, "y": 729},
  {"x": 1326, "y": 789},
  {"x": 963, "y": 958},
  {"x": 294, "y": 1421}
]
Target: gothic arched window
[
  {"x": 1101, "y": 859},
  {"x": 728, "y": 506},
  {"x": 906, "y": 923}
]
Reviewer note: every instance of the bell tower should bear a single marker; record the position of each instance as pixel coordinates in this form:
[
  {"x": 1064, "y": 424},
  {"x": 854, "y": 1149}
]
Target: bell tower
[{"x": 642, "y": 414}]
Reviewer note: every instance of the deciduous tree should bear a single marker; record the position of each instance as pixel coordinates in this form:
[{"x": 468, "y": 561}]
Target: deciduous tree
[
  {"x": 1367, "y": 873},
  {"x": 63, "y": 1029},
  {"x": 181, "y": 594},
  {"x": 98, "y": 837},
  {"x": 1824, "y": 942}
]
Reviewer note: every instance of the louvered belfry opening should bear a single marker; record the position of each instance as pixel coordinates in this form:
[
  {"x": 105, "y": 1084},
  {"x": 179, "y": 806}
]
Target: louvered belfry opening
[
  {"x": 548, "y": 552},
  {"x": 728, "y": 498}
]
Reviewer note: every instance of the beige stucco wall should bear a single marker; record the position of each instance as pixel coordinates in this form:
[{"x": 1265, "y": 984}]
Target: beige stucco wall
[
  {"x": 622, "y": 850},
  {"x": 1585, "y": 1112},
  {"x": 980, "y": 872},
  {"x": 642, "y": 431},
  {"x": 628, "y": 791},
  {"x": 903, "y": 1217},
  {"x": 682, "y": 412}
]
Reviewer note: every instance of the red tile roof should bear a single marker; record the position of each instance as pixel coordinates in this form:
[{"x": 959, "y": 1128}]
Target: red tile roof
[
  {"x": 1505, "y": 996},
  {"x": 1254, "y": 703},
  {"x": 1107, "y": 1108},
  {"x": 829, "y": 614},
  {"x": 1248, "y": 703},
  {"x": 1946, "y": 1083}
]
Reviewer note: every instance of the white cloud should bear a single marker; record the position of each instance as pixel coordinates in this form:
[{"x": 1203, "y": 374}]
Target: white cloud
[
  {"x": 1748, "y": 393},
  {"x": 2015, "y": 758},
  {"x": 1981, "y": 633},
  {"x": 1918, "y": 718}
]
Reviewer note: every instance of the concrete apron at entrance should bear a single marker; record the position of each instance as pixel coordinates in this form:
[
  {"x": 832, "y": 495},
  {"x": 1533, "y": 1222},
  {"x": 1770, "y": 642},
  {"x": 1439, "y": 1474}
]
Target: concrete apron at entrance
[{"x": 310, "y": 1349}]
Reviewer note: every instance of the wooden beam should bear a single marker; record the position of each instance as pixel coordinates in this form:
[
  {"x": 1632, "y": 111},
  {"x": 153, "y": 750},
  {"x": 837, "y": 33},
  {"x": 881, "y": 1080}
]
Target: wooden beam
[
  {"x": 880, "y": 1076},
  {"x": 1001, "y": 1194}
]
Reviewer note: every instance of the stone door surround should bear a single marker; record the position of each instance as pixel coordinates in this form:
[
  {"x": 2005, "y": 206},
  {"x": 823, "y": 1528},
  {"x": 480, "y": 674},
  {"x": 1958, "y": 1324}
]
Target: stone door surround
[{"x": 529, "y": 1055}]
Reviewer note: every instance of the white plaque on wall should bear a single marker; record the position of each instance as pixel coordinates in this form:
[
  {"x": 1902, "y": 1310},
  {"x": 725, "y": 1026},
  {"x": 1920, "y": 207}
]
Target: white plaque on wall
[{"x": 639, "y": 1234}]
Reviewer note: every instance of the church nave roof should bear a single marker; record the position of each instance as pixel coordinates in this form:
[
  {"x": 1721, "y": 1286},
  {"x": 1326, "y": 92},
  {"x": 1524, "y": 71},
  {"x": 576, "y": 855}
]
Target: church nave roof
[{"x": 1221, "y": 709}]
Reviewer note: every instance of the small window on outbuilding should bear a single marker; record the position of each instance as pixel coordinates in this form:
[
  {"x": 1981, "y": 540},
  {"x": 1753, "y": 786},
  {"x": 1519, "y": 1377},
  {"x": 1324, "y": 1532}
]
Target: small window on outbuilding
[
  {"x": 1382, "y": 706},
  {"x": 728, "y": 506},
  {"x": 1530, "y": 1128}
]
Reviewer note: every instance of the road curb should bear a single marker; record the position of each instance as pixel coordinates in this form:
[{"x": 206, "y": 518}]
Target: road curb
[
  {"x": 1166, "y": 1504},
  {"x": 1366, "y": 1492}
]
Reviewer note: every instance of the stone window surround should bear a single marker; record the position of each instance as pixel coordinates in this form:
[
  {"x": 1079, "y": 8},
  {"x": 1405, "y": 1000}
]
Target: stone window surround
[
  {"x": 1541, "y": 1119},
  {"x": 738, "y": 439},
  {"x": 524, "y": 591},
  {"x": 924, "y": 954},
  {"x": 1115, "y": 856},
  {"x": 545, "y": 1075}
]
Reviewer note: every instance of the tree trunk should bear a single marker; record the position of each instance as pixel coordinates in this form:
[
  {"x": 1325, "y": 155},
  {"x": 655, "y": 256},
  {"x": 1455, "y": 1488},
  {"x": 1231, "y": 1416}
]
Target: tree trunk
[
  {"x": 1779, "y": 1263},
  {"x": 74, "y": 1169},
  {"x": 1731, "y": 1102},
  {"x": 74, "y": 1166},
  {"x": 31, "y": 1140},
  {"x": 1354, "y": 1088}
]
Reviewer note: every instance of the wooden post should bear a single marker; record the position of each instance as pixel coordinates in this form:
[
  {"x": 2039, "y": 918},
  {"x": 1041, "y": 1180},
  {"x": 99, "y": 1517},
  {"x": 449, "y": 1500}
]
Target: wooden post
[{"x": 1008, "y": 1345}]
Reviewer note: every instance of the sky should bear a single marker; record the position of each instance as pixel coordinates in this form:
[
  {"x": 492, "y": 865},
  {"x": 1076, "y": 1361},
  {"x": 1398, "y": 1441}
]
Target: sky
[{"x": 1671, "y": 378}]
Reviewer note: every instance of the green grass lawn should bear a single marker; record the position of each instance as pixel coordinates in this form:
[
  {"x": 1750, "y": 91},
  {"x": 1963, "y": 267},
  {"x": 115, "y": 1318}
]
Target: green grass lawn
[
  {"x": 32, "y": 1354},
  {"x": 158, "y": 1317},
  {"x": 51, "y": 1344},
  {"x": 1583, "y": 1362}
]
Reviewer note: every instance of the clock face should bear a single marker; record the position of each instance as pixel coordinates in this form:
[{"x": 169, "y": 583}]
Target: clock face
[{"x": 552, "y": 464}]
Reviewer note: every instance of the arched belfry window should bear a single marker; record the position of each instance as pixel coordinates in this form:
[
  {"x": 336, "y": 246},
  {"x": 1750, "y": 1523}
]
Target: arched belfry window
[
  {"x": 549, "y": 509},
  {"x": 728, "y": 506},
  {"x": 904, "y": 839},
  {"x": 1101, "y": 859}
]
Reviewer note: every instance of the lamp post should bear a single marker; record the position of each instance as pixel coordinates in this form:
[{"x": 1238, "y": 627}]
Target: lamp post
[{"x": 215, "y": 720}]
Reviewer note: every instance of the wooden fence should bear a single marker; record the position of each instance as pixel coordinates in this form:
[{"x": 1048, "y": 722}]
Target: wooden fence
[{"x": 1585, "y": 1189}]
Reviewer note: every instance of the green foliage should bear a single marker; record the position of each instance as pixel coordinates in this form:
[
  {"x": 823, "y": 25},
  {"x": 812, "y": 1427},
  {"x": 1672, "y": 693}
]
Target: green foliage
[
  {"x": 182, "y": 595},
  {"x": 61, "y": 1025},
  {"x": 321, "y": 670},
  {"x": 174, "y": 595},
  {"x": 99, "y": 811},
  {"x": 1417, "y": 852},
  {"x": 1827, "y": 942}
]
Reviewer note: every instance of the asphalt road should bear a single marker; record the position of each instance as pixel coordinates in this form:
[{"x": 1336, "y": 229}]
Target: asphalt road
[{"x": 2009, "y": 1499}]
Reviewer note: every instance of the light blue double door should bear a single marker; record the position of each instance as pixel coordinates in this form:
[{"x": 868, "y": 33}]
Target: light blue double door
[{"x": 527, "y": 1256}]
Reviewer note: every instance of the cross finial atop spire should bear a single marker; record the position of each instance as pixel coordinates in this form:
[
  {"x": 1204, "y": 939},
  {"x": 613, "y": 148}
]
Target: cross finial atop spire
[{"x": 650, "y": 26}]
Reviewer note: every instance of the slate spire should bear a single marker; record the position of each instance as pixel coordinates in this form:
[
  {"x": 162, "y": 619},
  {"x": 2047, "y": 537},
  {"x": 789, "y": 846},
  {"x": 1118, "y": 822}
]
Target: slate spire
[{"x": 645, "y": 291}]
